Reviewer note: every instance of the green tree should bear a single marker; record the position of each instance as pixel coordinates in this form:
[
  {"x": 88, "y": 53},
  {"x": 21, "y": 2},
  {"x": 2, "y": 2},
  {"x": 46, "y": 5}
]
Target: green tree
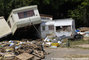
[
  {"x": 77, "y": 9},
  {"x": 81, "y": 14},
  {"x": 7, "y": 5}
]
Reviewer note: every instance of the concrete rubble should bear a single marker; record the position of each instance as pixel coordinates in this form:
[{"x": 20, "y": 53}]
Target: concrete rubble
[{"x": 22, "y": 50}]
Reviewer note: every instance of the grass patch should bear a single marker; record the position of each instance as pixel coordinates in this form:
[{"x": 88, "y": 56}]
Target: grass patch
[
  {"x": 78, "y": 42},
  {"x": 73, "y": 44},
  {"x": 76, "y": 56}
]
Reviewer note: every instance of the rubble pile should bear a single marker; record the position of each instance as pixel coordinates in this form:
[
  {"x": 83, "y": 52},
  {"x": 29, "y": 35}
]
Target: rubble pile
[
  {"x": 84, "y": 31},
  {"x": 21, "y": 50},
  {"x": 53, "y": 41}
]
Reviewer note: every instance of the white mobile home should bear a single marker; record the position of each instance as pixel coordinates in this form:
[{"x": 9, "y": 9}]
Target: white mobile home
[
  {"x": 61, "y": 27},
  {"x": 23, "y": 16},
  {"x": 65, "y": 27},
  {"x": 25, "y": 21}
]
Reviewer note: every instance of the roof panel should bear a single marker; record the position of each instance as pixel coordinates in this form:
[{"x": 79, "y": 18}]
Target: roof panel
[{"x": 60, "y": 22}]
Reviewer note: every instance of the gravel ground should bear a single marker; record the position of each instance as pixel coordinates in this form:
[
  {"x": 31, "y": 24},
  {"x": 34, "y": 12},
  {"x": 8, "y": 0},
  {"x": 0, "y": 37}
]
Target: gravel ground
[{"x": 65, "y": 52}]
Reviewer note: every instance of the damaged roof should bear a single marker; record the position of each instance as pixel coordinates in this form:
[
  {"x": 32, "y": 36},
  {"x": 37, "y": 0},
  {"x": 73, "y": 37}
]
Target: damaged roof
[
  {"x": 61, "y": 22},
  {"x": 24, "y": 8}
]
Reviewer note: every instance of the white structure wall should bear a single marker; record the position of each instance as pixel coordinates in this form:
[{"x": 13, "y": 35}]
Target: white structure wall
[{"x": 60, "y": 23}]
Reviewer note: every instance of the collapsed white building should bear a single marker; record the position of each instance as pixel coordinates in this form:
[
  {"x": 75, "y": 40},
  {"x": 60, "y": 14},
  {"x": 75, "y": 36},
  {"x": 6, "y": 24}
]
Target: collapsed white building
[
  {"x": 23, "y": 16},
  {"x": 60, "y": 27},
  {"x": 25, "y": 21}
]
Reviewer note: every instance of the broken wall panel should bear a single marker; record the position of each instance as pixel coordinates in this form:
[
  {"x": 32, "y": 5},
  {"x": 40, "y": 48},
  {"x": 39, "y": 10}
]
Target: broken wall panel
[{"x": 4, "y": 28}]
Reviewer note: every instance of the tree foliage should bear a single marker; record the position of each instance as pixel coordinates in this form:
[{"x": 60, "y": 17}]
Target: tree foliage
[
  {"x": 81, "y": 14},
  {"x": 76, "y": 9}
]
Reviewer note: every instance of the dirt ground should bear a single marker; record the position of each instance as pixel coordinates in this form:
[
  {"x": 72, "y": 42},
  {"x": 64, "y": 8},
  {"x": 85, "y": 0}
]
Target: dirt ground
[
  {"x": 66, "y": 53},
  {"x": 83, "y": 45}
]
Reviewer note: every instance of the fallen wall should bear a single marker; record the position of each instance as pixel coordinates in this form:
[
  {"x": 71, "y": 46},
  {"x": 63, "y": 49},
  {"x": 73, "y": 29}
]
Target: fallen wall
[{"x": 4, "y": 28}]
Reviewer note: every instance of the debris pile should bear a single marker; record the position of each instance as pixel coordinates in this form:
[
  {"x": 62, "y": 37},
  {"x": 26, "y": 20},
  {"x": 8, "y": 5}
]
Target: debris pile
[
  {"x": 21, "y": 50},
  {"x": 85, "y": 32},
  {"x": 53, "y": 41},
  {"x": 83, "y": 29}
]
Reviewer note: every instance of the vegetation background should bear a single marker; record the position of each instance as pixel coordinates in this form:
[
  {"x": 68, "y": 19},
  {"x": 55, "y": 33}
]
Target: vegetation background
[{"x": 76, "y": 9}]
